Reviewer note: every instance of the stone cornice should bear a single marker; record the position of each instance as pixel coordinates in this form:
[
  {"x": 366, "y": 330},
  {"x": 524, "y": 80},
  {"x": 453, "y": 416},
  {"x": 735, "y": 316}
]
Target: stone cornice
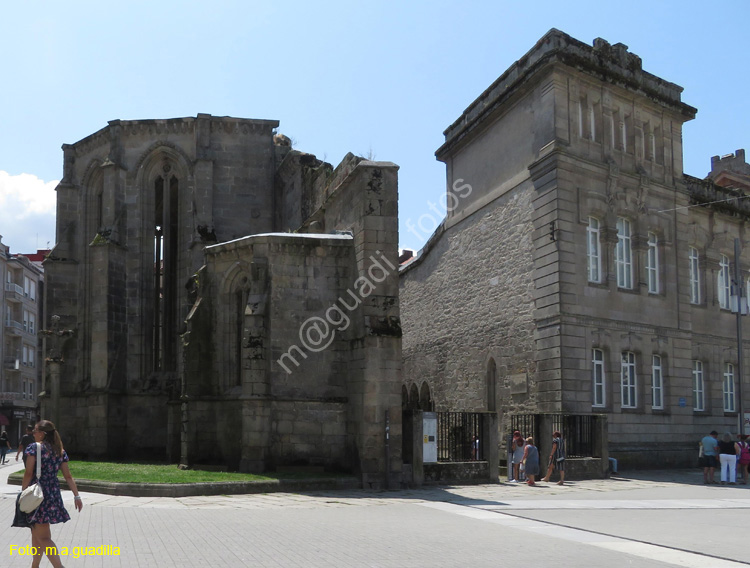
[
  {"x": 612, "y": 64},
  {"x": 186, "y": 125},
  {"x": 717, "y": 198}
]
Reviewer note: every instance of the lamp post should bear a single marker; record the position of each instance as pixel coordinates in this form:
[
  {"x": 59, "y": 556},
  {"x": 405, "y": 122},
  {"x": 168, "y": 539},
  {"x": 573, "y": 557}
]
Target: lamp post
[{"x": 738, "y": 316}]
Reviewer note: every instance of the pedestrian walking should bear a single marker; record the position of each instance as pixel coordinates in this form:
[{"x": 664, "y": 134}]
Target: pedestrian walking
[
  {"x": 556, "y": 458},
  {"x": 51, "y": 510},
  {"x": 4, "y": 446},
  {"x": 26, "y": 439}
]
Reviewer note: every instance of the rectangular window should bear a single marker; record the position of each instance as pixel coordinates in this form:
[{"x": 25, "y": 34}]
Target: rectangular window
[
  {"x": 32, "y": 323},
  {"x": 25, "y": 355},
  {"x": 699, "y": 398},
  {"x": 31, "y": 389},
  {"x": 598, "y": 377},
  {"x": 695, "y": 277},
  {"x": 628, "y": 380},
  {"x": 32, "y": 290},
  {"x": 624, "y": 254},
  {"x": 26, "y": 320},
  {"x": 593, "y": 250},
  {"x": 31, "y": 357},
  {"x": 580, "y": 118},
  {"x": 24, "y": 389},
  {"x": 657, "y": 383},
  {"x": 729, "y": 388},
  {"x": 652, "y": 264},
  {"x": 652, "y": 146},
  {"x": 623, "y": 136},
  {"x": 592, "y": 122},
  {"x": 26, "y": 286},
  {"x": 723, "y": 283}
]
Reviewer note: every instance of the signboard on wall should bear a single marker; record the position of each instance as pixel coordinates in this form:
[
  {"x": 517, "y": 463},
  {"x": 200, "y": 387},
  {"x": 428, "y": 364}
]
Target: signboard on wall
[{"x": 429, "y": 429}]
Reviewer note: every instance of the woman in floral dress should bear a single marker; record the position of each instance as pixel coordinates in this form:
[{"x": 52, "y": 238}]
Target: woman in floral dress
[{"x": 52, "y": 509}]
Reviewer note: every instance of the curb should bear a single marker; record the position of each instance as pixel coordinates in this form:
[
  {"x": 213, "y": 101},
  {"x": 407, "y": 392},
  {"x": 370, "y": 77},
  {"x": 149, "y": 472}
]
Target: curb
[{"x": 214, "y": 488}]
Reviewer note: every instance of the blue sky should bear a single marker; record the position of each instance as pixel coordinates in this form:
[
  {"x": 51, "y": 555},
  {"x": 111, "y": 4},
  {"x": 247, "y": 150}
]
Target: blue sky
[{"x": 384, "y": 78}]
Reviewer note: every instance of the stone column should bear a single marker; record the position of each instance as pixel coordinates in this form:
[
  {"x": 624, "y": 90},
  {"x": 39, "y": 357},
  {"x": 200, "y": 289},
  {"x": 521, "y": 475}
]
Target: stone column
[
  {"x": 491, "y": 437},
  {"x": 417, "y": 462},
  {"x": 601, "y": 442},
  {"x": 51, "y": 402}
]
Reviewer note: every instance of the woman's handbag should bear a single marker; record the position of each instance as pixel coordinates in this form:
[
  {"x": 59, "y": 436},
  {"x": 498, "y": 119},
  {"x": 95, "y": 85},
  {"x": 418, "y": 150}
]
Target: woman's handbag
[
  {"x": 32, "y": 496},
  {"x": 21, "y": 519},
  {"x": 702, "y": 461}
]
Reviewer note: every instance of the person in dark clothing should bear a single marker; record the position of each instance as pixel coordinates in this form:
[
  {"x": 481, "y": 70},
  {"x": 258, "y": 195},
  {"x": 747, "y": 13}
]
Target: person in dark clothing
[
  {"x": 4, "y": 446},
  {"x": 27, "y": 439}
]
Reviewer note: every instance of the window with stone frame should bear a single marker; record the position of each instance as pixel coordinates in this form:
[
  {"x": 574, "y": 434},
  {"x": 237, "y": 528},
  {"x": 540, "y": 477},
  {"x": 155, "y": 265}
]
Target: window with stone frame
[
  {"x": 723, "y": 283},
  {"x": 695, "y": 276},
  {"x": 624, "y": 254},
  {"x": 728, "y": 388},
  {"x": 598, "y": 378},
  {"x": 587, "y": 119},
  {"x": 699, "y": 393},
  {"x": 628, "y": 380},
  {"x": 593, "y": 250},
  {"x": 652, "y": 264},
  {"x": 657, "y": 383}
]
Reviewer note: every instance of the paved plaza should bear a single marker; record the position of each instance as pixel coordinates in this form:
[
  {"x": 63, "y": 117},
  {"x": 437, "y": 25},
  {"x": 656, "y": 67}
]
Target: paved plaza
[{"x": 650, "y": 519}]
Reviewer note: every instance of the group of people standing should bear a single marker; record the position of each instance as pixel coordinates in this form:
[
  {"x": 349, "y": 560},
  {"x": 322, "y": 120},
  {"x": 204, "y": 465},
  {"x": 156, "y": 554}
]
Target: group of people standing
[
  {"x": 729, "y": 455},
  {"x": 525, "y": 458}
]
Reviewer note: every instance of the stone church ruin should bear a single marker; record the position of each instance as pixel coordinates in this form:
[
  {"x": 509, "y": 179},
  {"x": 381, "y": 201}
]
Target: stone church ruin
[{"x": 222, "y": 298}]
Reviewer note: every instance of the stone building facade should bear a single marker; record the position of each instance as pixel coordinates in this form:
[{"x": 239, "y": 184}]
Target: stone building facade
[
  {"x": 19, "y": 341},
  {"x": 578, "y": 270},
  {"x": 191, "y": 255}
]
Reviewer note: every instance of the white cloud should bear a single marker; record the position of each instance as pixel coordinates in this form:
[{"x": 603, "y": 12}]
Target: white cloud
[{"x": 27, "y": 212}]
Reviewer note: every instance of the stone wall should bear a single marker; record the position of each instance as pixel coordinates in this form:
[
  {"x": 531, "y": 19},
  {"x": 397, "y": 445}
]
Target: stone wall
[
  {"x": 223, "y": 375},
  {"x": 467, "y": 301}
]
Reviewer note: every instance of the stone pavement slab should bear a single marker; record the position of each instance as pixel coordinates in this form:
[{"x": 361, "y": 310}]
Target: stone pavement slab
[{"x": 655, "y": 519}]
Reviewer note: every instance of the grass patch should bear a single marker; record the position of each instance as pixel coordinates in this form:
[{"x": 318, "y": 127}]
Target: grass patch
[{"x": 161, "y": 473}]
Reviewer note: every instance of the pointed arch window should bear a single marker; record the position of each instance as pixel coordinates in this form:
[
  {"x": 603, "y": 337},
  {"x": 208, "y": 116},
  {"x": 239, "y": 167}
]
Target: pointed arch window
[{"x": 165, "y": 249}]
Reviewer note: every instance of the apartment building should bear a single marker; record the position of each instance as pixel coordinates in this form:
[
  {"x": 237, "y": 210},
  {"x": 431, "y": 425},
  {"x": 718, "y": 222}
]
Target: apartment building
[{"x": 19, "y": 341}]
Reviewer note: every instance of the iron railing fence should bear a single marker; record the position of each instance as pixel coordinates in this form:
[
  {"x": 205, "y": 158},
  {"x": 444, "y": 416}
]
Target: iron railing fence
[
  {"x": 459, "y": 437},
  {"x": 577, "y": 431},
  {"x": 527, "y": 425}
]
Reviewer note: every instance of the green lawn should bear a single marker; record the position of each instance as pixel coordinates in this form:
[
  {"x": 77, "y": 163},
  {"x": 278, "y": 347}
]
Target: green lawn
[{"x": 154, "y": 473}]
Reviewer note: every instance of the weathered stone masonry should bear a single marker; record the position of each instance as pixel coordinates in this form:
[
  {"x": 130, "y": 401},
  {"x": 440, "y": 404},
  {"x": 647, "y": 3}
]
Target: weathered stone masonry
[
  {"x": 574, "y": 137},
  {"x": 190, "y": 251}
]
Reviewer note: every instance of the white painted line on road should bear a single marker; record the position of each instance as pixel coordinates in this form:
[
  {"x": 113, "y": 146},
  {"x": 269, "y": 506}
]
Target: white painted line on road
[
  {"x": 651, "y": 504},
  {"x": 663, "y": 554}
]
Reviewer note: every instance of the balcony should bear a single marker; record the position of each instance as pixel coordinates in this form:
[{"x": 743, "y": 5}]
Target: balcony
[
  {"x": 11, "y": 364},
  {"x": 13, "y": 292},
  {"x": 13, "y": 326},
  {"x": 11, "y": 398}
]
